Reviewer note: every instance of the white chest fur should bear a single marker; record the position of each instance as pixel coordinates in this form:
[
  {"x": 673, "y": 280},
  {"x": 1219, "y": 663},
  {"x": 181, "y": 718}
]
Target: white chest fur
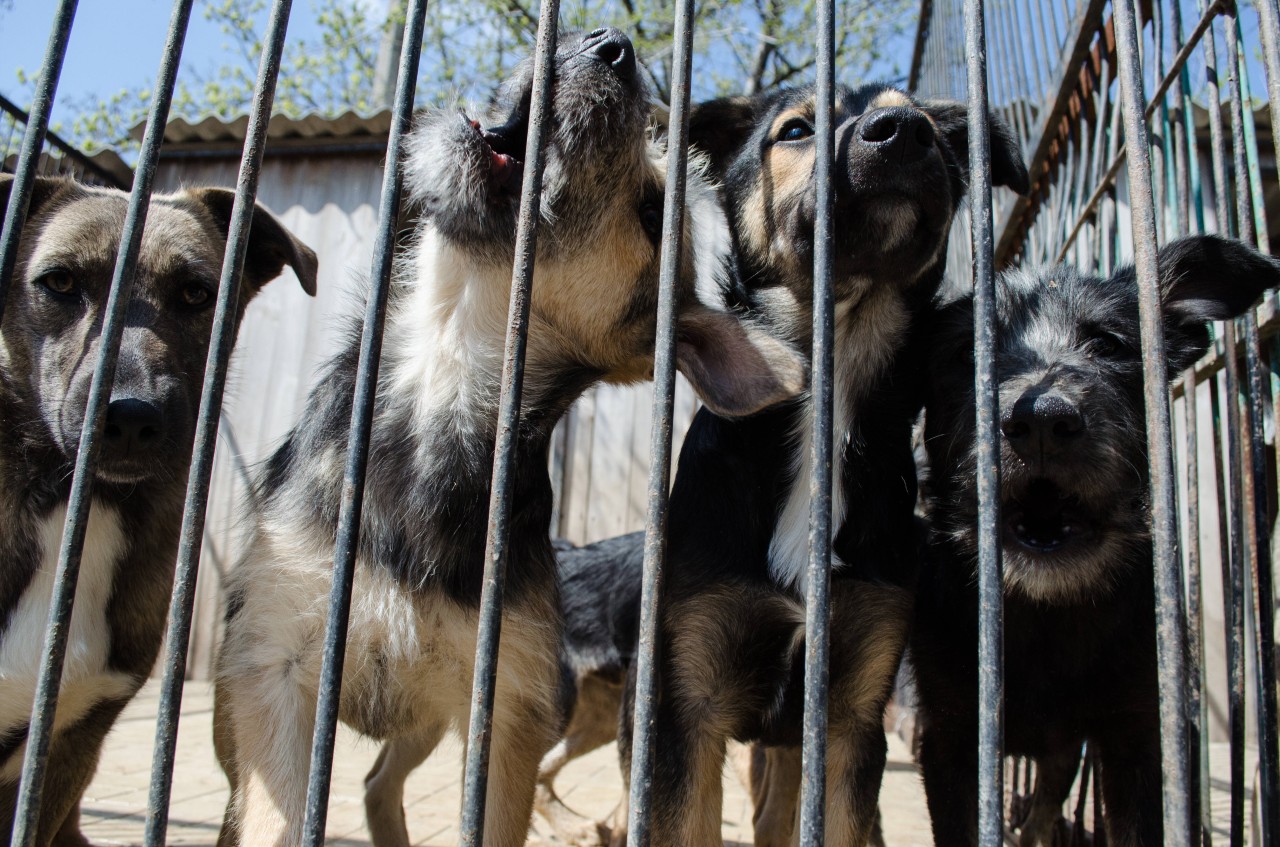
[
  {"x": 865, "y": 339},
  {"x": 85, "y": 678}
]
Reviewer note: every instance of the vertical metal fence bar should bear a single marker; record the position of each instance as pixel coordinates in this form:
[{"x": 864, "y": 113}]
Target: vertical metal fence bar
[
  {"x": 27, "y": 812},
  {"x": 986, "y": 393},
  {"x": 644, "y": 738},
  {"x": 1200, "y": 806},
  {"x": 1253, "y": 461},
  {"x": 1264, "y": 592},
  {"x": 1225, "y": 469},
  {"x": 480, "y": 731},
  {"x": 1170, "y": 625},
  {"x": 817, "y": 603},
  {"x": 206, "y": 436},
  {"x": 348, "y": 531},
  {"x": 1188, "y": 178},
  {"x": 24, "y": 175}
]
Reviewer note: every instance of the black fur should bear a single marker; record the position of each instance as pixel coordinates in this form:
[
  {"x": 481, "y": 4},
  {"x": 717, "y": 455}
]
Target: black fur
[
  {"x": 1079, "y": 605},
  {"x": 600, "y": 599},
  {"x": 731, "y": 654}
]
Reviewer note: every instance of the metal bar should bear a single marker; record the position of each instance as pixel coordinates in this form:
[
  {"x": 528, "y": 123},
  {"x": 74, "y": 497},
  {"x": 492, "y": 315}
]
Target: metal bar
[
  {"x": 68, "y": 571},
  {"x": 480, "y": 731},
  {"x": 1226, "y": 461},
  {"x": 349, "y": 514},
  {"x": 1170, "y": 625},
  {"x": 1200, "y": 811},
  {"x": 918, "y": 48},
  {"x": 1253, "y": 460},
  {"x": 24, "y": 175},
  {"x": 644, "y": 737},
  {"x": 1083, "y": 27},
  {"x": 1175, "y": 67},
  {"x": 59, "y": 143},
  {"x": 986, "y": 398},
  {"x": 1187, "y": 174},
  {"x": 206, "y": 436},
  {"x": 813, "y": 790}
]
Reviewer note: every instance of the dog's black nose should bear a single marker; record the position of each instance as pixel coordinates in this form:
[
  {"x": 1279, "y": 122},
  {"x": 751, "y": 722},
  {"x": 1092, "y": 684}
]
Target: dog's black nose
[
  {"x": 899, "y": 134},
  {"x": 132, "y": 425},
  {"x": 612, "y": 47},
  {"x": 1042, "y": 425}
]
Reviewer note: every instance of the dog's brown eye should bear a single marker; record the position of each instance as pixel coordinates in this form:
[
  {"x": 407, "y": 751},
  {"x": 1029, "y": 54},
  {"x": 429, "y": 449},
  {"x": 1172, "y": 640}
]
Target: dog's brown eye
[
  {"x": 651, "y": 219},
  {"x": 60, "y": 283},
  {"x": 195, "y": 296},
  {"x": 1102, "y": 343},
  {"x": 796, "y": 129}
]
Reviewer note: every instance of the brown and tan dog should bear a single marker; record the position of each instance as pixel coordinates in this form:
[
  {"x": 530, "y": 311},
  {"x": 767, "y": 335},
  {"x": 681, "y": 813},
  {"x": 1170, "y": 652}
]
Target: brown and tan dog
[{"x": 48, "y": 346}]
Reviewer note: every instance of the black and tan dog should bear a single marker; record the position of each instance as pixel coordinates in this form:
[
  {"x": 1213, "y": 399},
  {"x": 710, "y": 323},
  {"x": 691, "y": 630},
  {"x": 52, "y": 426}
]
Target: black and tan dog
[
  {"x": 1079, "y": 601},
  {"x": 411, "y": 648},
  {"x": 48, "y": 347},
  {"x": 732, "y": 632}
]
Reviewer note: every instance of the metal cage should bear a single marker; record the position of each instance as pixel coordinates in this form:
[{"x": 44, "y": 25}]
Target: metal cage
[{"x": 1073, "y": 79}]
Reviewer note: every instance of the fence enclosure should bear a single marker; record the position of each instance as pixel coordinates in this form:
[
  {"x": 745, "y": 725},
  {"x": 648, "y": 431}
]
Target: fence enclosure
[{"x": 1068, "y": 75}]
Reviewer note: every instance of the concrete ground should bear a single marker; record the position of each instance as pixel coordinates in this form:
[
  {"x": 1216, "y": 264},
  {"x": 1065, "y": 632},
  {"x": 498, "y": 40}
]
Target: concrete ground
[{"x": 114, "y": 809}]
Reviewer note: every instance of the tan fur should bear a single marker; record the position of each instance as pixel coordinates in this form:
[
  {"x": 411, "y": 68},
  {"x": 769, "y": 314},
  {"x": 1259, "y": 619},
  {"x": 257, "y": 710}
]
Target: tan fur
[
  {"x": 890, "y": 98},
  {"x": 425, "y": 649},
  {"x": 590, "y": 297},
  {"x": 594, "y": 724},
  {"x": 775, "y": 794},
  {"x": 868, "y": 632}
]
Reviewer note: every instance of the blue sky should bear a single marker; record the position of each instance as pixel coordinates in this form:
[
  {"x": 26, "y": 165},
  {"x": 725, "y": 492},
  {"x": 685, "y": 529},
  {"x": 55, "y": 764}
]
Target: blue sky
[{"x": 114, "y": 44}]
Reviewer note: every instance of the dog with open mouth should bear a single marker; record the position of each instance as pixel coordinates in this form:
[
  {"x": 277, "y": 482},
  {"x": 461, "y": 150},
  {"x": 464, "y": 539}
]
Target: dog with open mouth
[
  {"x": 1079, "y": 601},
  {"x": 414, "y": 612},
  {"x": 49, "y": 342}
]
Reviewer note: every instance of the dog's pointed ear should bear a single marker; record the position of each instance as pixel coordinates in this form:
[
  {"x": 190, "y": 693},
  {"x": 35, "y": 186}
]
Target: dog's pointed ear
[
  {"x": 736, "y": 367},
  {"x": 719, "y": 127},
  {"x": 1007, "y": 167},
  {"x": 271, "y": 246},
  {"x": 42, "y": 190}
]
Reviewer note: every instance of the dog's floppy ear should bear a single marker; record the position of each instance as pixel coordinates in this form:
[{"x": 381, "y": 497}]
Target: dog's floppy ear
[
  {"x": 1208, "y": 278},
  {"x": 42, "y": 190},
  {"x": 737, "y": 368},
  {"x": 271, "y": 246},
  {"x": 1007, "y": 168},
  {"x": 1211, "y": 278},
  {"x": 719, "y": 127}
]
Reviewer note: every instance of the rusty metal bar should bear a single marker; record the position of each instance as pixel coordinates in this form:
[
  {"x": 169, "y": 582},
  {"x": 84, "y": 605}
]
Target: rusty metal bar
[
  {"x": 1170, "y": 623},
  {"x": 644, "y": 738},
  {"x": 484, "y": 680},
  {"x": 79, "y": 501}
]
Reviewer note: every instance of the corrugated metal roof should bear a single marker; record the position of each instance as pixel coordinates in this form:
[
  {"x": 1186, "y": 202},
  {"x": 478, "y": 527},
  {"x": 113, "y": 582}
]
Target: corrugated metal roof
[{"x": 214, "y": 130}]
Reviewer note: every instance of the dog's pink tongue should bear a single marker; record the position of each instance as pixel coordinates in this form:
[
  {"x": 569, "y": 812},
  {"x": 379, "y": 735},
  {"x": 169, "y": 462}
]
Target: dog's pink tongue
[{"x": 500, "y": 165}]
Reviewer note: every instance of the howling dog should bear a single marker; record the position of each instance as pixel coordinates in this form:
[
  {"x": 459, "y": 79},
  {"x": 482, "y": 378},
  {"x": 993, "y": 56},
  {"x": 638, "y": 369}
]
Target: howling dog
[{"x": 410, "y": 653}]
